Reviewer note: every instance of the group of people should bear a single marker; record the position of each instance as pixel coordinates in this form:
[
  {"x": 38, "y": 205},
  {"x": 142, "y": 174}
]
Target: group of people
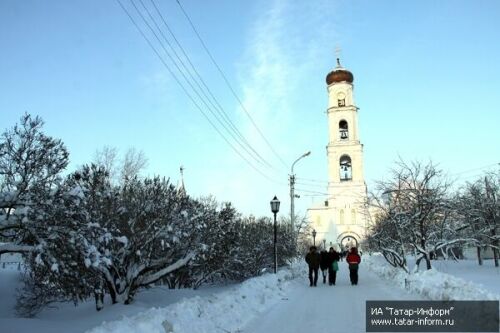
[{"x": 328, "y": 263}]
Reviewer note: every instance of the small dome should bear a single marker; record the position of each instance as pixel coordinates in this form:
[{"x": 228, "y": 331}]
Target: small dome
[{"x": 339, "y": 74}]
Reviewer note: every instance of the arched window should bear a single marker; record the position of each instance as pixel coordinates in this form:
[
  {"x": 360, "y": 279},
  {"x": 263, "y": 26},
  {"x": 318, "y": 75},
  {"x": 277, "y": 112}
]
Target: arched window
[
  {"x": 353, "y": 216},
  {"x": 341, "y": 216},
  {"x": 318, "y": 221},
  {"x": 343, "y": 130},
  {"x": 345, "y": 168}
]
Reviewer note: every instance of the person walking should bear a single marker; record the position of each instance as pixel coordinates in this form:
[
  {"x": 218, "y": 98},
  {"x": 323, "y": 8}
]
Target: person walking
[
  {"x": 353, "y": 259},
  {"x": 324, "y": 262},
  {"x": 333, "y": 266},
  {"x": 313, "y": 259}
]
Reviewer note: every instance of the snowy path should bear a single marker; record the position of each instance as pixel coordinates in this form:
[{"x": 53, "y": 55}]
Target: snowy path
[{"x": 339, "y": 308}]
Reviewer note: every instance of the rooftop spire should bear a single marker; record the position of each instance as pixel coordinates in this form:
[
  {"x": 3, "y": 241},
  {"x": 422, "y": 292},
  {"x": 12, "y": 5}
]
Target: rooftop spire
[
  {"x": 337, "y": 53},
  {"x": 180, "y": 184}
]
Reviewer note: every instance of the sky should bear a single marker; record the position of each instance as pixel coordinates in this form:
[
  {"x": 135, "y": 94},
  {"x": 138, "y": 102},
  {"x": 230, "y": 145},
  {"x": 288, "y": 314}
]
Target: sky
[{"x": 426, "y": 80}]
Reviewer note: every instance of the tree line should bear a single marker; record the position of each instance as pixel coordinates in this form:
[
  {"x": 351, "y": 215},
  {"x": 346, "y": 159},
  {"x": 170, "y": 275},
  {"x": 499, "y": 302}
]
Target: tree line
[
  {"x": 417, "y": 211},
  {"x": 85, "y": 235}
]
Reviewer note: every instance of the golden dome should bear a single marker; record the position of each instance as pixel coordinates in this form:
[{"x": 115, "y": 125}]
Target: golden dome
[{"x": 339, "y": 74}]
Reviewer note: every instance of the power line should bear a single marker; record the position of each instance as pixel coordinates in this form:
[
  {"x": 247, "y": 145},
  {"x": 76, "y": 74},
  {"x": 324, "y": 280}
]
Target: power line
[
  {"x": 229, "y": 85},
  {"x": 184, "y": 89},
  {"x": 313, "y": 180},
  {"x": 185, "y": 77},
  {"x": 307, "y": 191},
  {"x": 311, "y": 185},
  {"x": 212, "y": 99},
  {"x": 476, "y": 169}
]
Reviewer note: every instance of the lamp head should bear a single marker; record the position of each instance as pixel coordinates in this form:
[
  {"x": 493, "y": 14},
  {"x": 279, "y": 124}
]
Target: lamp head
[{"x": 275, "y": 205}]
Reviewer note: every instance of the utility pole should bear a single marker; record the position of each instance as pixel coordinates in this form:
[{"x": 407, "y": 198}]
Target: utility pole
[
  {"x": 292, "y": 202},
  {"x": 292, "y": 193}
]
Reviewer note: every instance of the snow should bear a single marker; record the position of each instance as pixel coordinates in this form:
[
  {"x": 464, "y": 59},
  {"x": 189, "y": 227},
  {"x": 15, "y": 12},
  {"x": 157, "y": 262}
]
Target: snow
[
  {"x": 270, "y": 303},
  {"x": 227, "y": 311},
  {"x": 77, "y": 191},
  {"x": 326, "y": 309},
  {"x": 487, "y": 276},
  {"x": 123, "y": 240},
  {"x": 437, "y": 285}
]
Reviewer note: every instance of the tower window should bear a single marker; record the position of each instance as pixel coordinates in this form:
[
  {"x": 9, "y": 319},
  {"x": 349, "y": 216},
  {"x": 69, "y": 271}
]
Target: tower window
[
  {"x": 341, "y": 216},
  {"x": 345, "y": 168},
  {"x": 343, "y": 130},
  {"x": 353, "y": 216},
  {"x": 341, "y": 99}
]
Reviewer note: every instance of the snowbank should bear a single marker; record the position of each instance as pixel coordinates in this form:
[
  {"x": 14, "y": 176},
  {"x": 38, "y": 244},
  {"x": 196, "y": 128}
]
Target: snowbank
[
  {"x": 227, "y": 311},
  {"x": 431, "y": 284}
]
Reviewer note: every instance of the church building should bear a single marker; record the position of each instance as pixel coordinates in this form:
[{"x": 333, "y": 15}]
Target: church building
[{"x": 341, "y": 220}]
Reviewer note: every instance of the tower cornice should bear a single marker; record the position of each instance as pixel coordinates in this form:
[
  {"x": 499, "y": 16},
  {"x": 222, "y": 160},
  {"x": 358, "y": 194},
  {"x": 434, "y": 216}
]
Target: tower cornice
[{"x": 342, "y": 108}]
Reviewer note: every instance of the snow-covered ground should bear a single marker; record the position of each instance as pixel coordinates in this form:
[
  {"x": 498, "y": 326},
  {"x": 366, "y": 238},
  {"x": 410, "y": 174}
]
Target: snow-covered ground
[
  {"x": 487, "y": 275},
  {"x": 448, "y": 280},
  {"x": 270, "y": 303}
]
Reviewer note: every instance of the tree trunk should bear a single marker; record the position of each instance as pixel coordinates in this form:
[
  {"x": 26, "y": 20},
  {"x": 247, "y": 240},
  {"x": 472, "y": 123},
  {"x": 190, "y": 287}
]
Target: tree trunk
[
  {"x": 444, "y": 253},
  {"x": 495, "y": 256},
  {"x": 99, "y": 299},
  {"x": 479, "y": 258},
  {"x": 112, "y": 292},
  {"x": 495, "y": 249},
  {"x": 417, "y": 263},
  {"x": 428, "y": 261}
]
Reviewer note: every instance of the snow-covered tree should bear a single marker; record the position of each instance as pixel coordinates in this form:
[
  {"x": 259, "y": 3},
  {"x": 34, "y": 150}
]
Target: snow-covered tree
[
  {"x": 89, "y": 236},
  {"x": 99, "y": 239},
  {"x": 218, "y": 244},
  {"x": 149, "y": 237},
  {"x": 387, "y": 236},
  {"x": 55, "y": 269},
  {"x": 479, "y": 206},
  {"x": 414, "y": 211},
  {"x": 30, "y": 167}
]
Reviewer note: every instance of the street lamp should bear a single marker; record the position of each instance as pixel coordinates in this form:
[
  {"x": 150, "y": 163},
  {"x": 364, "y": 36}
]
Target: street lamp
[
  {"x": 314, "y": 237},
  {"x": 275, "y": 207},
  {"x": 292, "y": 191}
]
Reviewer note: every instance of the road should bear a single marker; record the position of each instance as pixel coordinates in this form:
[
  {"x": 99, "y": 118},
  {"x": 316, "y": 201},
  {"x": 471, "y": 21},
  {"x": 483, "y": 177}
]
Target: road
[{"x": 327, "y": 309}]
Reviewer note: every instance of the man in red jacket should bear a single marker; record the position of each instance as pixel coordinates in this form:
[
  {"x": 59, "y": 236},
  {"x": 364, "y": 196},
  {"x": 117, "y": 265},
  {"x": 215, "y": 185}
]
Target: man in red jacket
[{"x": 353, "y": 259}]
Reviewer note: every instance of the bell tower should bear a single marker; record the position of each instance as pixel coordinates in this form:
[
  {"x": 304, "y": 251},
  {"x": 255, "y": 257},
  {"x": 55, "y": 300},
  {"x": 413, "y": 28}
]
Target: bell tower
[{"x": 341, "y": 218}]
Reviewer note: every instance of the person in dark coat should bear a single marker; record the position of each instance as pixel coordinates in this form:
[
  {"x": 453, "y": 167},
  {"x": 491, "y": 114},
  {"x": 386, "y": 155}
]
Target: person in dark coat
[
  {"x": 333, "y": 266},
  {"x": 324, "y": 262},
  {"x": 353, "y": 259},
  {"x": 313, "y": 259}
]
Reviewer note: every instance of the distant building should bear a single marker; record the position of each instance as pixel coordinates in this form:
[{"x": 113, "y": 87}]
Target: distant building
[{"x": 341, "y": 219}]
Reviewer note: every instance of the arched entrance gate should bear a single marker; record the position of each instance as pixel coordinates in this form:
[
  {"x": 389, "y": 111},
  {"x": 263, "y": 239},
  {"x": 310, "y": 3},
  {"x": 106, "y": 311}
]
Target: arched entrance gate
[{"x": 348, "y": 239}]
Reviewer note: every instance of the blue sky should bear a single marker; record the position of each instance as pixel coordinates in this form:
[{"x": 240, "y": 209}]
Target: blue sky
[{"x": 427, "y": 82}]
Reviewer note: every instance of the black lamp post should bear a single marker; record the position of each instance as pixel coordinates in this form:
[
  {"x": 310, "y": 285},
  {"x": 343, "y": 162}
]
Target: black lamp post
[
  {"x": 314, "y": 237},
  {"x": 275, "y": 207}
]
